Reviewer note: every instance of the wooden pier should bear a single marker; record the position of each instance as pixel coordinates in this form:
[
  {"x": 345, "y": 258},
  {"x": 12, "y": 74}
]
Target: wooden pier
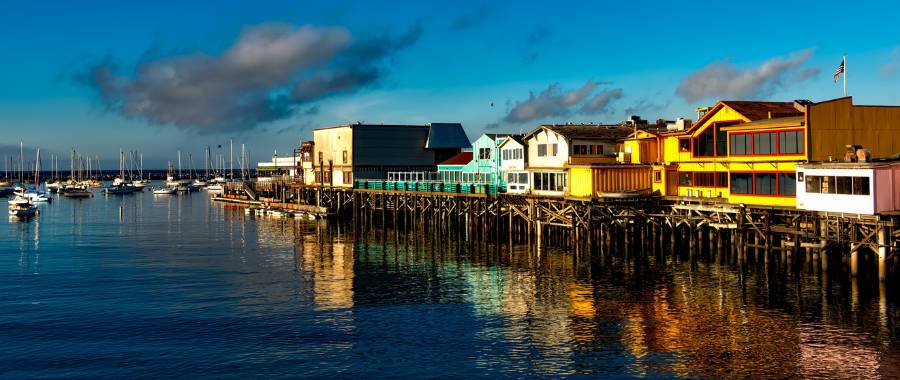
[{"x": 643, "y": 225}]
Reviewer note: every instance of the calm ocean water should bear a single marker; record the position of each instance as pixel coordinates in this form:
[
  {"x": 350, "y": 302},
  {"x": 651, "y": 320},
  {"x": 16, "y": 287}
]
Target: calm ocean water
[{"x": 177, "y": 286}]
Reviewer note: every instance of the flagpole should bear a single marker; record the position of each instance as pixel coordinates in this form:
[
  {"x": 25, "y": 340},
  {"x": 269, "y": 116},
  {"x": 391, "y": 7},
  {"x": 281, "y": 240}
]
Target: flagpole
[{"x": 845, "y": 75}]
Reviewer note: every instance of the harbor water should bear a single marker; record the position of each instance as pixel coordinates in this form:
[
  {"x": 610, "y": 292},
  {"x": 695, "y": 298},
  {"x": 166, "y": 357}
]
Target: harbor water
[{"x": 169, "y": 286}]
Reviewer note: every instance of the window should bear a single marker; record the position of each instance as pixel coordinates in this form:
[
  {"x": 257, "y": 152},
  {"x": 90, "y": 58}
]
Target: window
[
  {"x": 790, "y": 142},
  {"x": 813, "y": 184},
  {"x": 685, "y": 179},
  {"x": 581, "y": 150},
  {"x": 555, "y": 149},
  {"x": 765, "y": 184},
  {"x": 523, "y": 178},
  {"x": 684, "y": 144},
  {"x": 348, "y": 177},
  {"x": 742, "y": 183},
  {"x": 704, "y": 179},
  {"x": 787, "y": 184},
  {"x": 764, "y": 143},
  {"x": 657, "y": 176},
  {"x": 704, "y": 144},
  {"x": 549, "y": 181},
  {"x": 345, "y": 156},
  {"x": 722, "y": 140},
  {"x": 741, "y": 143},
  {"x": 722, "y": 179},
  {"x": 860, "y": 185},
  {"x": 844, "y": 185},
  {"x": 321, "y": 157},
  {"x": 484, "y": 153},
  {"x": 542, "y": 150},
  {"x": 828, "y": 186}
]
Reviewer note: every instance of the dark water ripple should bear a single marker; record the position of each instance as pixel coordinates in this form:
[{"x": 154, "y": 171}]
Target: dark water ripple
[{"x": 178, "y": 287}]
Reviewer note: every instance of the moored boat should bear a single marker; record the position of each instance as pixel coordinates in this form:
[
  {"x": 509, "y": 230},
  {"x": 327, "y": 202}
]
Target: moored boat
[
  {"x": 168, "y": 190},
  {"x": 21, "y": 207},
  {"x": 77, "y": 192}
]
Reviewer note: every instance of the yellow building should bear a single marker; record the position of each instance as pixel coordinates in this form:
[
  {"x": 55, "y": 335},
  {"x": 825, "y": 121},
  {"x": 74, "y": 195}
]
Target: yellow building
[
  {"x": 740, "y": 151},
  {"x": 747, "y": 151}
]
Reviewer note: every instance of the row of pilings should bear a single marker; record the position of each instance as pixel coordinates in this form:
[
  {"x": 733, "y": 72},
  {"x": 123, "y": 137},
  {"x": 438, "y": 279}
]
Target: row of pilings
[{"x": 490, "y": 220}]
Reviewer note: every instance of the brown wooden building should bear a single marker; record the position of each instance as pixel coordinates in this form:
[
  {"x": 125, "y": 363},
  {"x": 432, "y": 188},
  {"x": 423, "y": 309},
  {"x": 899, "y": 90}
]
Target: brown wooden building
[{"x": 836, "y": 123}]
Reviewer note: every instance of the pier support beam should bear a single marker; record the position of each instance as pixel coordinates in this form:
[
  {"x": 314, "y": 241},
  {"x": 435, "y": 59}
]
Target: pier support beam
[{"x": 884, "y": 247}]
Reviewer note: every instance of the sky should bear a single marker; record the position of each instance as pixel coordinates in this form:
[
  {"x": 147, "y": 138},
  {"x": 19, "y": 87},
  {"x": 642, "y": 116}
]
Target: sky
[{"x": 166, "y": 76}]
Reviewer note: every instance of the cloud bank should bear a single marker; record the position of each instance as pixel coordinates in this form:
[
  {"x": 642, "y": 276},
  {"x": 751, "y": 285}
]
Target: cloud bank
[
  {"x": 555, "y": 102},
  {"x": 724, "y": 80},
  {"x": 267, "y": 72}
]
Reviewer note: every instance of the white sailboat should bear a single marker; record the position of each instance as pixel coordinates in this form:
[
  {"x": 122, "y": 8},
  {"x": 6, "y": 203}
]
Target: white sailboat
[
  {"x": 33, "y": 193},
  {"x": 120, "y": 185},
  {"x": 21, "y": 207}
]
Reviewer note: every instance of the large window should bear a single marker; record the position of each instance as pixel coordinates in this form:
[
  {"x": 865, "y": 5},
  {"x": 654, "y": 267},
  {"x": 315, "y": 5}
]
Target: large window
[
  {"x": 843, "y": 185},
  {"x": 764, "y": 143},
  {"x": 484, "y": 153},
  {"x": 741, "y": 144},
  {"x": 704, "y": 179},
  {"x": 765, "y": 183},
  {"x": 587, "y": 149},
  {"x": 549, "y": 181},
  {"x": 787, "y": 184},
  {"x": 704, "y": 144},
  {"x": 713, "y": 141},
  {"x": 512, "y": 154},
  {"x": 767, "y": 143},
  {"x": 790, "y": 142},
  {"x": 555, "y": 149},
  {"x": 700, "y": 179},
  {"x": 684, "y": 144},
  {"x": 741, "y": 183},
  {"x": 542, "y": 150}
]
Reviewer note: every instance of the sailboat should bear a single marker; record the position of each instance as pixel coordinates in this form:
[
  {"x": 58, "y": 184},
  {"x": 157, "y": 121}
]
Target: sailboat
[
  {"x": 33, "y": 193},
  {"x": 120, "y": 185},
  {"x": 21, "y": 207}
]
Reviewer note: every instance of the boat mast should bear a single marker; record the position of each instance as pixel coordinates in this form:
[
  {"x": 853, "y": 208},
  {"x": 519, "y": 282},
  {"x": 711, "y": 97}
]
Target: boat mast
[
  {"x": 231, "y": 164},
  {"x": 37, "y": 168},
  {"x": 21, "y": 162}
]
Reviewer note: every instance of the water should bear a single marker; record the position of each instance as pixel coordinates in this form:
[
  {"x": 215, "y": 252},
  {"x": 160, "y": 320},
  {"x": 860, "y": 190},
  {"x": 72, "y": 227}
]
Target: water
[{"x": 177, "y": 286}]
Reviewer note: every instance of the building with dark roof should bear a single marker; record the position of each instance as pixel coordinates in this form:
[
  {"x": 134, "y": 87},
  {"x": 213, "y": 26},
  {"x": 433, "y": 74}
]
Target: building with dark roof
[{"x": 345, "y": 153}]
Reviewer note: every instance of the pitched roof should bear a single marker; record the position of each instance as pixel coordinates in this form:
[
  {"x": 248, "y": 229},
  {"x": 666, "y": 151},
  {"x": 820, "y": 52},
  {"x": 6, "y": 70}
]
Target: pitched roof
[
  {"x": 591, "y": 131},
  {"x": 519, "y": 138},
  {"x": 755, "y": 110},
  {"x": 460, "y": 159},
  {"x": 447, "y": 136},
  {"x": 751, "y": 109}
]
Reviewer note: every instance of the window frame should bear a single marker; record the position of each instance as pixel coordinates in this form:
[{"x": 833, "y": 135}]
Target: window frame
[{"x": 753, "y": 184}]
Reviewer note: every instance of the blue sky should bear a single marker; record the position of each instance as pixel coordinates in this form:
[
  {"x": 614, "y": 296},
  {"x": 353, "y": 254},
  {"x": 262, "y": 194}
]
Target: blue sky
[{"x": 410, "y": 62}]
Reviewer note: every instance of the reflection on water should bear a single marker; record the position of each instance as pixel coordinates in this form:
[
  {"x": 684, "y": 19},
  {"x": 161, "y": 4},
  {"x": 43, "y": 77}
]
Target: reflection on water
[{"x": 105, "y": 287}]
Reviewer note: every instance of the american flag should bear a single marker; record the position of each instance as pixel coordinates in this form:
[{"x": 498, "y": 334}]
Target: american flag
[{"x": 840, "y": 70}]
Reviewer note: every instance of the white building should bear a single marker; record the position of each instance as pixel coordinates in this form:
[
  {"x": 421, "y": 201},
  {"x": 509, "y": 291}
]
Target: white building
[
  {"x": 279, "y": 167},
  {"x": 513, "y": 164},
  {"x": 552, "y": 148},
  {"x": 854, "y": 188}
]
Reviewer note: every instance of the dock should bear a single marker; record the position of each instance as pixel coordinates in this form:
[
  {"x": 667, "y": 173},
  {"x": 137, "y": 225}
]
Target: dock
[{"x": 702, "y": 227}]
